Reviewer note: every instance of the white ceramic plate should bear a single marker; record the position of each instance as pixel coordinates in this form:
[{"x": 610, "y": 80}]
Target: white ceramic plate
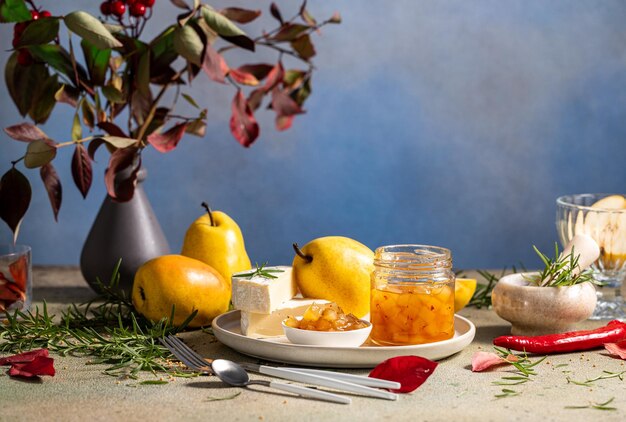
[{"x": 226, "y": 328}]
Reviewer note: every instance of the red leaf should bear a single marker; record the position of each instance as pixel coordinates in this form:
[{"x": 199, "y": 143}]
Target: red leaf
[
  {"x": 15, "y": 194},
  {"x": 240, "y": 15},
  {"x": 617, "y": 349},
  {"x": 304, "y": 47},
  {"x": 81, "y": 169},
  {"x": 24, "y": 357},
  {"x": 243, "y": 77},
  {"x": 121, "y": 186},
  {"x": 276, "y": 12},
  {"x": 255, "y": 98},
  {"x": 290, "y": 31},
  {"x": 52, "y": 184},
  {"x": 41, "y": 365},
  {"x": 283, "y": 122},
  {"x": 19, "y": 271},
  {"x": 25, "y": 132},
  {"x": 93, "y": 146},
  {"x": 275, "y": 76},
  {"x": 112, "y": 129},
  {"x": 214, "y": 64},
  {"x": 259, "y": 70},
  {"x": 167, "y": 141},
  {"x": 241, "y": 41},
  {"x": 10, "y": 292},
  {"x": 243, "y": 125},
  {"x": 409, "y": 371},
  {"x": 284, "y": 105}
]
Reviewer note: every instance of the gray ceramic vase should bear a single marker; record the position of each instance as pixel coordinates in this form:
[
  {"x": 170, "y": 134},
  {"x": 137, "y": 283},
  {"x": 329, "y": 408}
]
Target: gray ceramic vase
[{"x": 122, "y": 230}]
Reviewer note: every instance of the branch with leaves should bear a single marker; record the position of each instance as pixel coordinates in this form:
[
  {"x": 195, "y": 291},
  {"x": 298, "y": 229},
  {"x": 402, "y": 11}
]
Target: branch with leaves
[{"x": 119, "y": 73}]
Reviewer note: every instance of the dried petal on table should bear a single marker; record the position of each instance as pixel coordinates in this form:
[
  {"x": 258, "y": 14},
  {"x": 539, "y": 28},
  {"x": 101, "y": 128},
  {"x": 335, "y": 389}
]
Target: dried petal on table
[
  {"x": 24, "y": 357},
  {"x": 409, "y": 371},
  {"x": 484, "y": 360},
  {"x": 41, "y": 365},
  {"x": 617, "y": 349}
]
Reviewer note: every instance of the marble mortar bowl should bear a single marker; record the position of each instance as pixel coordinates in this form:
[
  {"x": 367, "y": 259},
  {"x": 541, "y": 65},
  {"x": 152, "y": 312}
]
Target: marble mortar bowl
[{"x": 534, "y": 310}]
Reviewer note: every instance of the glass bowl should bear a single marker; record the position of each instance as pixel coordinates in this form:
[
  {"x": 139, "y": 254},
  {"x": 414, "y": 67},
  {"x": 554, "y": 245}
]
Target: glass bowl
[{"x": 575, "y": 214}]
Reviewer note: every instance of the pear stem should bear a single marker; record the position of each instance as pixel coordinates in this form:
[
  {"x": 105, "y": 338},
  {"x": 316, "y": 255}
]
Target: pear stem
[
  {"x": 307, "y": 258},
  {"x": 208, "y": 211}
]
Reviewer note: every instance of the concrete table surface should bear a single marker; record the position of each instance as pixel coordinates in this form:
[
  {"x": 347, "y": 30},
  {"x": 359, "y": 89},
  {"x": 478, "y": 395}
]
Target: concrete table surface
[{"x": 82, "y": 392}]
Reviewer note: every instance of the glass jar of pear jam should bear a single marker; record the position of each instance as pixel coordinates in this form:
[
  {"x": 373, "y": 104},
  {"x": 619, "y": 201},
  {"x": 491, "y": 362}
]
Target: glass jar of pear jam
[{"x": 412, "y": 299}]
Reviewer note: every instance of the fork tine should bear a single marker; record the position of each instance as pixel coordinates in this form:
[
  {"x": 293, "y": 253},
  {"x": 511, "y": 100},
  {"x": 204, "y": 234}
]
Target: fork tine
[
  {"x": 180, "y": 354},
  {"x": 188, "y": 352}
]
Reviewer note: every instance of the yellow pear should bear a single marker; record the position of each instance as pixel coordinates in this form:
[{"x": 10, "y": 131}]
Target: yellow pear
[
  {"x": 183, "y": 283},
  {"x": 215, "y": 239},
  {"x": 336, "y": 269}
]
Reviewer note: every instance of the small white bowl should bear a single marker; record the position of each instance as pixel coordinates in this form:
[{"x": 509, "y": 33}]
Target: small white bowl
[
  {"x": 534, "y": 310},
  {"x": 352, "y": 338}
]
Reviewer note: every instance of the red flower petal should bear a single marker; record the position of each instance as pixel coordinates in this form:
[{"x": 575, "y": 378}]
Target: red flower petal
[
  {"x": 24, "y": 357},
  {"x": 409, "y": 371},
  {"x": 41, "y": 365},
  {"x": 617, "y": 349},
  {"x": 485, "y": 360}
]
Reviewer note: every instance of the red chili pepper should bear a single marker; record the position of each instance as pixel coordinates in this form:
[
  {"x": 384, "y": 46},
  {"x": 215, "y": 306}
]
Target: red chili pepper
[{"x": 573, "y": 341}]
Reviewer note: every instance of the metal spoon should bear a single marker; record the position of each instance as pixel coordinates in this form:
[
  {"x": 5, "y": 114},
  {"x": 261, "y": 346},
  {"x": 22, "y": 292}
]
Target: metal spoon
[{"x": 233, "y": 374}]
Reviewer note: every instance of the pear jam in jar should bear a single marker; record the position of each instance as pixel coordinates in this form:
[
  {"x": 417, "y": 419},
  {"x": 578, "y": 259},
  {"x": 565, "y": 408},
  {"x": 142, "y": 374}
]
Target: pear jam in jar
[{"x": 412, "y": 299}]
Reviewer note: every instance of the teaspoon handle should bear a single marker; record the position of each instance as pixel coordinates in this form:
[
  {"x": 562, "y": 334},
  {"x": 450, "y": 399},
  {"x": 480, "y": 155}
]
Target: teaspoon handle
[{"x": 310, "y": 392}]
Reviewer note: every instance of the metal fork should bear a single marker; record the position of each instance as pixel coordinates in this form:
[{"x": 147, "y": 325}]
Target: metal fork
[
  {"x": 353, "y": 383},
  {"x": 197, "y": 362}
]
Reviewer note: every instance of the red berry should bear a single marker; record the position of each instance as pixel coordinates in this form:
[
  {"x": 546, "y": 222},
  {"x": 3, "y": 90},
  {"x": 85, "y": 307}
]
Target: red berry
[
  {"x": 19, "y": 28},
  {"x": 34, "y": 14},
  {"x": 118, "y": 8},
  {"x": 24, "y": 58},
  {"x": 105, "y": 8},
  {"x": 148, "y": 3},
  {"x": 137, "y": 9},
  {"x": 45, "y": 14},
  {"x": 131, "y": 2}
]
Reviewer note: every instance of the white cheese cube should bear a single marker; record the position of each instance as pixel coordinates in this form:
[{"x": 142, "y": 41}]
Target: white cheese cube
[
  {"x": 262, "y": 325},
  {"x": 261, "y": 294}
]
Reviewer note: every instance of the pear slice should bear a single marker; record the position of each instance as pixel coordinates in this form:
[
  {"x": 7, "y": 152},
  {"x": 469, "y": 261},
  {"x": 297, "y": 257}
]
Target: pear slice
[{"x": 613, "y": 202}]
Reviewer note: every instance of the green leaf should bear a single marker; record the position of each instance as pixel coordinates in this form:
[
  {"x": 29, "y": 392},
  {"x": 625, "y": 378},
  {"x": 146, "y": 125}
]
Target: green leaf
[
  {"x": 188, "y": 44},
  {"x": 118, "y": 141},
  {"x": 190, "y": 100},
  {"x": 89, "y": 116},
  {"x": 304, "y": 47},
  {"x": 14, "y": 11},
  {"x": 77, "y": 130},
  {"x": 113, "y": 94},
  {"x": 41, "y": 31},
  {"x": 59, "y": 58},
  {"x": 97, "y": 61},
  {"x": 91, "y": 29},
  {"x": 196, "y": 128},
  {"x": 44, "y": 99},
  {"x": 39, "y": 153},
  {"x": 220, "y": 23},
  {"x": 163, "y": 53},
  {"x": 153, "y": 382},
  {"x": 143, "y": 74}
]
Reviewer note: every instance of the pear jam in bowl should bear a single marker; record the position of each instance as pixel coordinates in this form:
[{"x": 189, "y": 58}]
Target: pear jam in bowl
[{"x": 412, "y": 300}]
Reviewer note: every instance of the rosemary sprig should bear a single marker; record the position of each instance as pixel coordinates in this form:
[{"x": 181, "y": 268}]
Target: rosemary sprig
[
  {"x": 597, "y": 406},
  {"x": 109, "y": 333},
  {"x": 560, "y": 271},
  {"x": 262, "y": 271},
  {"x": 482, "y": 295},
  {"x": 605, "y": 375},
  {"x": 507, "y": 392}
]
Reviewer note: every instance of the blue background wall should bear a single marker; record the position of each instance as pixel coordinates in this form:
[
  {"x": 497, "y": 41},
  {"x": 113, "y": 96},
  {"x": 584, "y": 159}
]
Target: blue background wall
[{"x": 451, "y": 123}]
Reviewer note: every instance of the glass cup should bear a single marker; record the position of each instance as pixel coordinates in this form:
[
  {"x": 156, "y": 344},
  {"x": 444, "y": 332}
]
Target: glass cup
[
  {"x": 16, "y": 288},
  {"x": 575, "y": 215}
]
